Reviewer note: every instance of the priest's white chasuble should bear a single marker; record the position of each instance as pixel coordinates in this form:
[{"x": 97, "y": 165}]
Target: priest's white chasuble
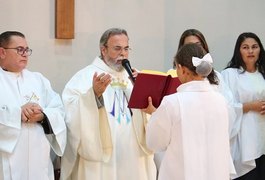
[{"x": 106, "y": 143}]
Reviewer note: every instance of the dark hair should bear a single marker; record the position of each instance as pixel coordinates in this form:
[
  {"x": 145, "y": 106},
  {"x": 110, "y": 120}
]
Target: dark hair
[
  {"x": 184, "y": 58},
  {"x": 237, "y": 60},
  {"x": 212, "y": 77},
  {"x": 6, "y": 36},
  {"x": 193, "y": 32}
]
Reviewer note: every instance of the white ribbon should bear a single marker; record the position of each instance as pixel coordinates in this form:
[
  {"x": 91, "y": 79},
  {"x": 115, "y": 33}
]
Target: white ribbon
[{"x": 197, "y": 61}]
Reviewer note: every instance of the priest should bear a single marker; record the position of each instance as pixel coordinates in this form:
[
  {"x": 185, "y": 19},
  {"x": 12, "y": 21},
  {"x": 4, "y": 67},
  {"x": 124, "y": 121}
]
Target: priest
[{"x": 106, "y": 139}]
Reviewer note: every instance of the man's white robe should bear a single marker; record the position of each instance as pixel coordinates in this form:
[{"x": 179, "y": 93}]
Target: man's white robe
[
  {"x": 104, "y": 143},
  {"x": 249, "y": 143},
  {"x": 191, "y": 126},
  {"x": 24, "y": 147}
]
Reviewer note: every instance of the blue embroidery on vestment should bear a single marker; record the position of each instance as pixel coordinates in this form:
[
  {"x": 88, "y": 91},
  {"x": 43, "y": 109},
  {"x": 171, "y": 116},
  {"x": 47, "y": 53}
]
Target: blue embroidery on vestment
[{"x": 120, "y": 111}]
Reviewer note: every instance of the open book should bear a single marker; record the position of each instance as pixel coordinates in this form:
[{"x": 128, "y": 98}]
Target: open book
[{"x": 152, "y": 83}]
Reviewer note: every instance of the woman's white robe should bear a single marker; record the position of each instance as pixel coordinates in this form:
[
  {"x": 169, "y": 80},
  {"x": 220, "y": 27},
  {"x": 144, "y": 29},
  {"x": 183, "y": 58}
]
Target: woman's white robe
[{"x": 249, "y": 143}]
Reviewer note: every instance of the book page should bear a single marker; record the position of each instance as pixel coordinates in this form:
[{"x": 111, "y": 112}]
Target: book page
[
  {"x": 171, "y": 72},
  {"x": 153, "y": 72}
]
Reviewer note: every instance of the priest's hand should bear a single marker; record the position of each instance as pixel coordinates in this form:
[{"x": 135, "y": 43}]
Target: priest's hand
[
  {"x": 31, "y": 112},
  {"x": 100, "y": 83},
  {"x": 150, "y": 108}
]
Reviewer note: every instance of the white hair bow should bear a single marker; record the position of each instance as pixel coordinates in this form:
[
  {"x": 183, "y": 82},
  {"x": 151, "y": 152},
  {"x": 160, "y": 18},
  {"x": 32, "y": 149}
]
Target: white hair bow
[{"x": 197, "y": 61}]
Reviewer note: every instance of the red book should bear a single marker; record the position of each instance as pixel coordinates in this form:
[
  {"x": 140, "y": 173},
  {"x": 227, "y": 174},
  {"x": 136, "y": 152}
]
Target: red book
[{"x": 155, "y": 85}]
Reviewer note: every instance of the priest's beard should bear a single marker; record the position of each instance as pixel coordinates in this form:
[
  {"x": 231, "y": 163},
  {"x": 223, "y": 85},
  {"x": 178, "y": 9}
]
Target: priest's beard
[{"x": 115, "y": 64}]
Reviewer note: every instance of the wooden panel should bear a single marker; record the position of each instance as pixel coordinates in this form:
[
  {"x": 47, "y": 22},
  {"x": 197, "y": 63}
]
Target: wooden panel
[{"x": 64, "y": 22}]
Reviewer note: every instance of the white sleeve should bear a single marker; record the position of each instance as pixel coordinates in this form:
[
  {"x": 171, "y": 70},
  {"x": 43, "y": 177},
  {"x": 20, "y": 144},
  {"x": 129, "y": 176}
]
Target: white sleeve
[
  {"x": 158, "y": 131},
  {"x": 230, "y": 77},
  {"x": 55, "y": 113},
  {"x": 86, "y": 123},
  {"x": 10, "y": 126}
]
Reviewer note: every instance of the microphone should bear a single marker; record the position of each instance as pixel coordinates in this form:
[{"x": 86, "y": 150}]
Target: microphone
[{"x": 126, "y": 64}]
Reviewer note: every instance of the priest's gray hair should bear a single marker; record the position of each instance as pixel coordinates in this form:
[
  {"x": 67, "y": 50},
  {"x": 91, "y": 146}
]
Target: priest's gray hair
[{"x": 110, "y": 32}]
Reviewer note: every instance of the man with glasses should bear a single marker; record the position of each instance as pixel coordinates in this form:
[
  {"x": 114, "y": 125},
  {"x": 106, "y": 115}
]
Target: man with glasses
[
  {"x": 106, "y": 139},
  {"x": 31, "y": 115}
]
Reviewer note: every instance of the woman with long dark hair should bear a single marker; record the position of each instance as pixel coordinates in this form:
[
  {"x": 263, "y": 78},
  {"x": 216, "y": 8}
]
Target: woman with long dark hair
[{"x": 245, "y": 75}]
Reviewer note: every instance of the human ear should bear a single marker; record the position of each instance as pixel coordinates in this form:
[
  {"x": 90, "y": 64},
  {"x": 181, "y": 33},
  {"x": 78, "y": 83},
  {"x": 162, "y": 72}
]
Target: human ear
[
  {"x": 183, "y": 69},
  {"x": 178, "y": 67},
  {"x": 103, "y": 50},
  {"x": 2, "y": 53}
]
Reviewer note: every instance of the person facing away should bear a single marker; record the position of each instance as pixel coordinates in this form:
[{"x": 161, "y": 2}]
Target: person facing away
[
  {"x": 106, "y": 139},
  {"x": 195, "y": 36},
  {"x": 31, "y": 115},
  {"x": 235, "y": 109},
  {"x": 245, "y": 74},
  {"x": 187, "y": 37},
  {"x": 191, "y": 126},
  {"x": 216, "y": 80}
]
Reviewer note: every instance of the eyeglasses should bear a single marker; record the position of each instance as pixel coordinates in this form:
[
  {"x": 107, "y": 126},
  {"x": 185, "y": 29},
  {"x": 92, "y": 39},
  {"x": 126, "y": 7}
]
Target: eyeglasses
[
  {"x": 21, "y": 51},
  {"x": 119, "y": 49}
]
